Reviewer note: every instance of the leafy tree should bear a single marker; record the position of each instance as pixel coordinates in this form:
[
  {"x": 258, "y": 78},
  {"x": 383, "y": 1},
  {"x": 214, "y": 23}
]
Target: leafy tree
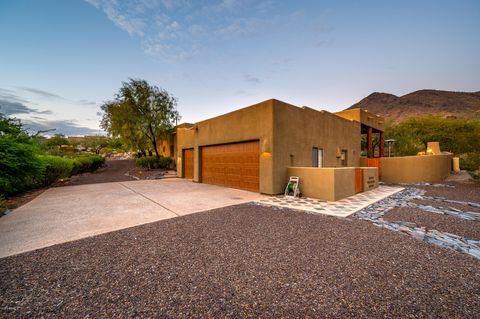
[
  {"x": 19, "y": 165},
  {"x": 96, "y": 143},
  {"x": 141, "y": 114},
  {"x": 457, "y": 135},
  {"x": 115, "y": 143},
  {"x": 56, "y": 141}
]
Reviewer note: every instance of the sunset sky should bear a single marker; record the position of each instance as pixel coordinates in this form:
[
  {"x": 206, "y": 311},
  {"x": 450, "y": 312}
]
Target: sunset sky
[{"x": 60, "y": 60}]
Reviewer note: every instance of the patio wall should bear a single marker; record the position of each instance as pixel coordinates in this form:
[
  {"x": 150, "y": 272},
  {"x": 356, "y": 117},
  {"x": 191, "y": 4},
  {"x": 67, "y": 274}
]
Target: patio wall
[{"x": 415, "y": 169}]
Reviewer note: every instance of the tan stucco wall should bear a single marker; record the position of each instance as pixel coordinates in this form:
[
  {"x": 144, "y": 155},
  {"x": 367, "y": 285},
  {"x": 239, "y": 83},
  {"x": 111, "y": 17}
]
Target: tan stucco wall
[
  {"x": 413, "y": 169},
  {"x": 298, "y": 130},
  {"x": 330, "y": 184},
  {"x": 247, "y": 124},
  {"x": 365, "y": 117}
]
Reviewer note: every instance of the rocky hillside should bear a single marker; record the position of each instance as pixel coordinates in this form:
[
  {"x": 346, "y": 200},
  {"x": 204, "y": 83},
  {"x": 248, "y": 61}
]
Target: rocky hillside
[{"x": 422, "y": 103}]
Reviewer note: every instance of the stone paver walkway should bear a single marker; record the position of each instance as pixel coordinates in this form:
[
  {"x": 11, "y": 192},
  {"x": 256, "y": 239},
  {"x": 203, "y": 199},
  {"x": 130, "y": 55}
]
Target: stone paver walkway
[
  {"x": 375, "y": 213},
  {"x": 342, "y": 208}
]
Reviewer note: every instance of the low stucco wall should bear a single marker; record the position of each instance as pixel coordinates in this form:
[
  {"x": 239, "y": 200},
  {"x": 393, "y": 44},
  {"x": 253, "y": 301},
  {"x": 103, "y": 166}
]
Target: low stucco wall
[
  {"x": 370, "y": 178},
  {"x": 328, "y": 184},
  {"x": 414, "y": 169}
]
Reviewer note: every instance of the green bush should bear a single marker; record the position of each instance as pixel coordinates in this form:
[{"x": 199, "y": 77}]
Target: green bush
[
  {"x": 20, "y": 168},
  {"x": 153, "y": 162},
  {"x": 55, "y": 167},
  {"x": 23, "y": 166},
  {"x": 470, "y": 161},
  {"x": 86, "y": 163}
]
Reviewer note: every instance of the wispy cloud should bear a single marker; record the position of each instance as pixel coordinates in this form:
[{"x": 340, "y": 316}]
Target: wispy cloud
[
  {"x": 252, "y": 79},
  {"x": 243, "y": 27},
  {"x": 41, "y": 93},
  {"x": 66, "y": 127},
  {"x": 125, "y": 18},
  {"x": 86, "y": 102},
  {"x": 14, "y": 108},
  {"x": 178, "y": 29},
  {"x": 12, "y": 96},
  {"x": 12, "y": 104},
  {"x": 50, "y": 96},
  {"x": 17, "y": 102}
]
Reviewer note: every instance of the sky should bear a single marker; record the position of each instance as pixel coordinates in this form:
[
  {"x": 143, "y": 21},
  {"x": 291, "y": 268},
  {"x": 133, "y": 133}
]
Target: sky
[{"x": 61, "y": 59}]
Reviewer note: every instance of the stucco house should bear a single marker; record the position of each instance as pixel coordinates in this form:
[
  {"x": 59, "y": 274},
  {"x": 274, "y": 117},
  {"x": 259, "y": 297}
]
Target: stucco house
[{"x": 253, "y": 148}]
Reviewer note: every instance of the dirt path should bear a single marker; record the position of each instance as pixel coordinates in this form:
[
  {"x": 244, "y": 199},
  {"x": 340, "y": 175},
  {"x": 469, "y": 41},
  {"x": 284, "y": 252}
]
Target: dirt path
[{"x": 114, "y": 171}]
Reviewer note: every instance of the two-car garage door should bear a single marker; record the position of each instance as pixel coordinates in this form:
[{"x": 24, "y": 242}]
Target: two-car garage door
[{"x": 233, "y": 165}]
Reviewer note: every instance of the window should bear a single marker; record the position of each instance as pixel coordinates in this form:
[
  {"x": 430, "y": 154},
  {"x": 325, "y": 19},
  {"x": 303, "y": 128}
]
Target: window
[
  {"x": 317, "y": 157},
  {"x": 171, "y": 151}
]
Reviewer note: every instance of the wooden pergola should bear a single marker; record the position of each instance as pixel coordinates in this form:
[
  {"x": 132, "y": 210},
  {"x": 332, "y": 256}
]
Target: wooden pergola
[{"x": 365, "y": 129}]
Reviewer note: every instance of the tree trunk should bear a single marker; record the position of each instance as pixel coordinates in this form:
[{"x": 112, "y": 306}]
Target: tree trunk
[
  {"x": 154, "y": 140},
  {"x": 155, "y": 147}
]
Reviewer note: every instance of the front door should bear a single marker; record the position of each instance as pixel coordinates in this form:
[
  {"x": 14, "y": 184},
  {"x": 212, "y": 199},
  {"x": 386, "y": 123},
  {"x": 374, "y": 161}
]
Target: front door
[{"x": 188, "y": 163}]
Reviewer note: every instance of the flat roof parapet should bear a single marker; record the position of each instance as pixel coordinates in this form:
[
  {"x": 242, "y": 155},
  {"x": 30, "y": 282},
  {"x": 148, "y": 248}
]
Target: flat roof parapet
[{"x": 365, "y": 117}]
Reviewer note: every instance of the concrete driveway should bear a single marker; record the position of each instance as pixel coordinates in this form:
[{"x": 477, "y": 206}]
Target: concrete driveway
[{"x": 68, "y": 213}]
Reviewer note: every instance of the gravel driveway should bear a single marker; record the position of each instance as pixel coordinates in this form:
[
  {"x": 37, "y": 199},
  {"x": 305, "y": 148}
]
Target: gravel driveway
[{"x": 243, "y": 261}]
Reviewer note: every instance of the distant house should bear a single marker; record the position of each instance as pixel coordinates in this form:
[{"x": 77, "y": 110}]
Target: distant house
[{"x": 168, "y": 147}]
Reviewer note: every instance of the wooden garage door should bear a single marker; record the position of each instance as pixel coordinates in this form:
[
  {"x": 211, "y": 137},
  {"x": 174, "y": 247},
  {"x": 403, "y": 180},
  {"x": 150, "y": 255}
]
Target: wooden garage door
[
  {"x": 188, "y": 163},
  {"x": 232, "y": 165}
]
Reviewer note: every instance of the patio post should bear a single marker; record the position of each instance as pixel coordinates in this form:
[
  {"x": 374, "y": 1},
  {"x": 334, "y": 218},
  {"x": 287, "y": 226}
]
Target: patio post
[
  {"x": 369, "y": 140},
  {"x": 382, "y": 144}
]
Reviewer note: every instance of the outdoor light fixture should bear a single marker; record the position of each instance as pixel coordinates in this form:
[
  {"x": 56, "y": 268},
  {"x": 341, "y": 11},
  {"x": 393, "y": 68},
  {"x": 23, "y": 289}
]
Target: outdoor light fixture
[
  {"x": 266, "y": 155},
  {"x": 389, "y": 143}
]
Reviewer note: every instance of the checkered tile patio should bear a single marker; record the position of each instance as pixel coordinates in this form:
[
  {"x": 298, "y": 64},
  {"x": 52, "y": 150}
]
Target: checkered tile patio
[{"x": 342, "y": 208}]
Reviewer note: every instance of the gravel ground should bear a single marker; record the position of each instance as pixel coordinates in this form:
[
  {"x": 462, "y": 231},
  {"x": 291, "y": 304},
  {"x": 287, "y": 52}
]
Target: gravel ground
[
  {"x": 243, "y": 261},
  {"x": 461, "y": 191},
  {"x": 465, "y": 208},
  {"x": 443, "y": 223}
]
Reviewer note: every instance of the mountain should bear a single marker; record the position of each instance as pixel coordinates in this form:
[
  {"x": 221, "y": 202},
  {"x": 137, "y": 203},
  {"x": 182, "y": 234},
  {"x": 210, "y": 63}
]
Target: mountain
[{"x": 422, "y": 103}]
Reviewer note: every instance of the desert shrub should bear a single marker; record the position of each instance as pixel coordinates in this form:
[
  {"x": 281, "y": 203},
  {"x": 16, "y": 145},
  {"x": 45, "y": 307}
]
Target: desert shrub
[
  {"x": 55, "y": 167},
  {"x": 153, "y": 162},
  {"x": 64, "y": 150},
  {"x": 20, "y": 167},
  {"x": 86, "y": 163},
  {"x": 470, "y": 161},
  {"x": 56, "y": 141}
]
